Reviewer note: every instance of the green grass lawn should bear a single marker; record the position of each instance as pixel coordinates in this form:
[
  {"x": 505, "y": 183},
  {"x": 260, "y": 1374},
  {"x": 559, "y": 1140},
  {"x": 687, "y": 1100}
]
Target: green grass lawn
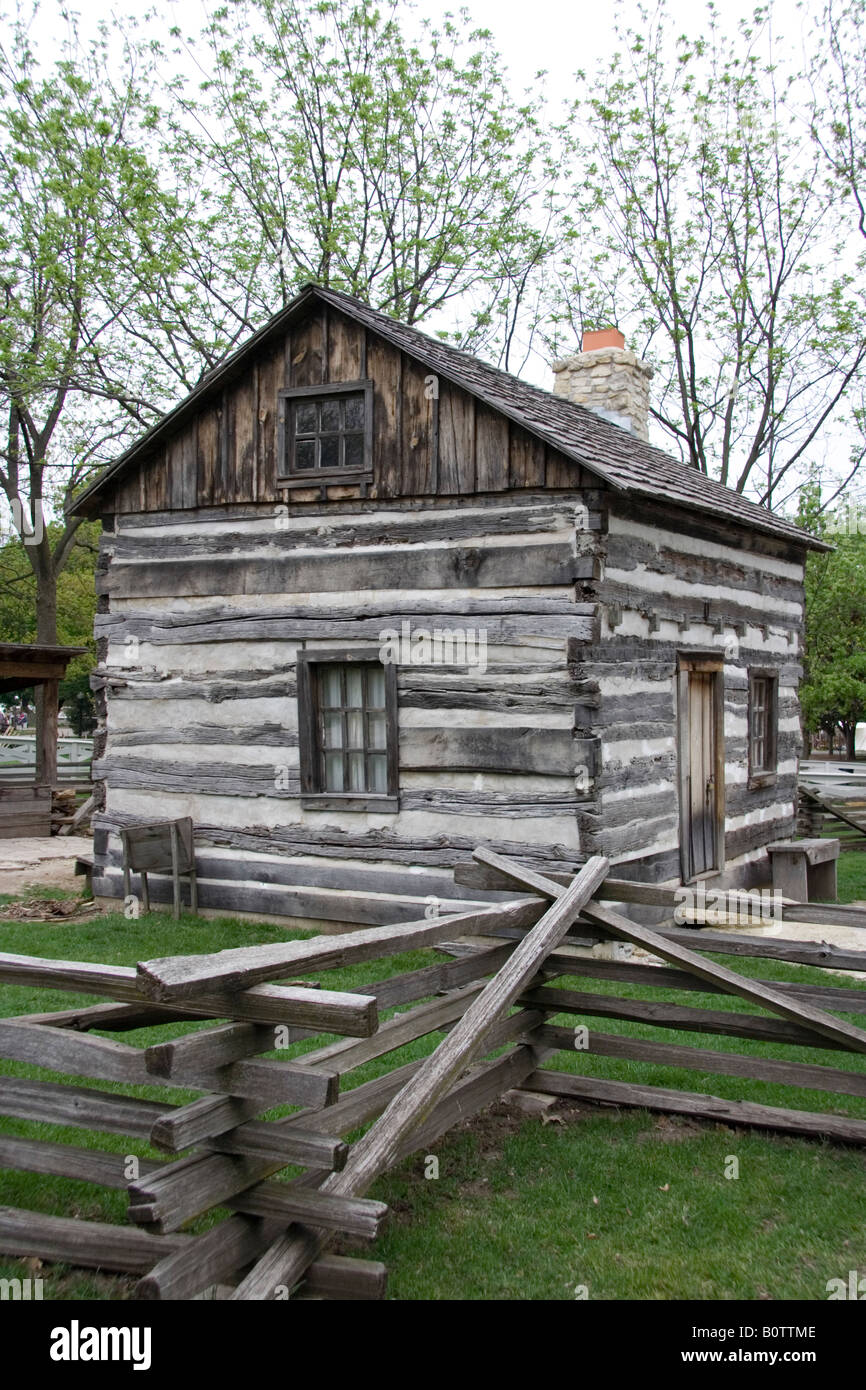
[{"x": 623, "y": 1204}]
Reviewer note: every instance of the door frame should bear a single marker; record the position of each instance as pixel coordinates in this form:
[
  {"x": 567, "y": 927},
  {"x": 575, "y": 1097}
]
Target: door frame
[{"x": 704, "y": 663}]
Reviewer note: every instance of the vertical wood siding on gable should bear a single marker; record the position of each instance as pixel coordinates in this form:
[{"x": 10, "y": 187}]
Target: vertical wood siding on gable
[{"x": 424, "y": 444}]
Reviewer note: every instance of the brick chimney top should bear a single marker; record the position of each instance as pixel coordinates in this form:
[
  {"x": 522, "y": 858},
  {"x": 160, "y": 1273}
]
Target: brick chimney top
[{"x": 602, "y": 338}]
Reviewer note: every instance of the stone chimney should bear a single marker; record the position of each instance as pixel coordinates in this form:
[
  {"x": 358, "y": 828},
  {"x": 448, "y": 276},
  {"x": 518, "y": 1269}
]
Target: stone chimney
[{"x": 607, "y": 378}]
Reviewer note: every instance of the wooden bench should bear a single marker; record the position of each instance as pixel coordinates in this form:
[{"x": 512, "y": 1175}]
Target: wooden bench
[
  {"x": 161, "y": 847},
  {"x": 805, "y": 869},
  {"x": 84, "y": 865}
]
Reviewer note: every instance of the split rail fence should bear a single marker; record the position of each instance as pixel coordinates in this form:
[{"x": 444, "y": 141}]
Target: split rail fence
[{"x": 491, "y": 995}]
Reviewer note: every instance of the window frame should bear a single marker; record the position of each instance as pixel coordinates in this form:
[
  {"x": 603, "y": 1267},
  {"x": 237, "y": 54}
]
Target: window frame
[
  {"x": 766, "y": 775},
  {"x": 313, "y": 796},
  {"x": 287, "y": 473}
]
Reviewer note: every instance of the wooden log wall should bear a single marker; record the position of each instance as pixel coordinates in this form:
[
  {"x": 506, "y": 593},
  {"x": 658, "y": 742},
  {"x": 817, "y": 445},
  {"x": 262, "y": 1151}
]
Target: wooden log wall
[
  {"x": 675, "y": 585},
  {"x": 199, "y": 633},
  {"x": 565, "y": 744},
  {"x": 214, "y": 575}
]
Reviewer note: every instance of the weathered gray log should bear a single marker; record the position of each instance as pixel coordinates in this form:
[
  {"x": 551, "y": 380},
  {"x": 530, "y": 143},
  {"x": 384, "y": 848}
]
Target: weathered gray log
[
  {"x": 175, "y": 1193},
  {"x": 681, "y": 1017},
  {"x": 75, "y": 1054},
  {"x": 205, "y": 777},
  {"x": 68, "y": 1161},
  {"x": 183, "y": 1270},
  {"x": 705, "y": 1107},
  {"x": 184, "y": 977},
  {"x": 803, "y": 1014},
  {"x": 507, "y": 749},
  {"x": 519, "y": 750},
  {"x": 435, "y": 979},
  {"x": 87, "y": 1108},
  {"x": 354, "y": 1216},
  {"x": 212, "y": 862},
  {"x": 517, "y": 804},
  {"x": 483, "y": 875},
  {"x": 355, "y": 1107},
  {"x": 843, "y": 998},
  {"x": 114, "y": 1018},
  {"x": 346, "y": 1277},
  {"x": 264, "y": 1139},
  {"x": 267, "y": 1082},
  {"x": 215, "y": 689},
  {"x": 322, "y": 1010},
  {"x": 84, "y": 1108},
  {"x": 829, "y": 914},
  {"x": 258, "y": 896},
  {"x": 289, "y": 1256},
  {"x": 628, "y": 552},
  {"x": 423, "y": 850},
  {"x": 202, "y": 1119},
  {"x": 807, "y": 1076},
  {"x": 484, "y": 1083},
  {"x": 344, "y": 1056},
  {"x": 212, "y": 1047},
  {"x": 505, "y": 621},
  {"x": 494, "y": 567},
  {"x": 93, "y": 1244},
  {"x": 350, "y": 531},
  {"x": 820, "y": 953},
  {"x": 823, "y": 954}
]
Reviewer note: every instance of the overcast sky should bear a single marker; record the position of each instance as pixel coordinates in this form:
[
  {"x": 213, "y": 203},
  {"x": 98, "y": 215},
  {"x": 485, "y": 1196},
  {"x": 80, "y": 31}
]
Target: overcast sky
[{"x": 560, "y": 36}]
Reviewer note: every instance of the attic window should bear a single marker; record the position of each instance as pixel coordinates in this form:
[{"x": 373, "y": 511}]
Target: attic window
[{"x": 326, "y": 432}]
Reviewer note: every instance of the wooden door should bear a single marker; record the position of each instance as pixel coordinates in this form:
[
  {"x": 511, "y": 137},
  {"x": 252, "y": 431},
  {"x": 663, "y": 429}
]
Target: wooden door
[{"x": 701, "y": 768}]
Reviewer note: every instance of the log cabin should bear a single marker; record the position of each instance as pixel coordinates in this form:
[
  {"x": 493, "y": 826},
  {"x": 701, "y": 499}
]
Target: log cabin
[{"x": 366, "y": 602}]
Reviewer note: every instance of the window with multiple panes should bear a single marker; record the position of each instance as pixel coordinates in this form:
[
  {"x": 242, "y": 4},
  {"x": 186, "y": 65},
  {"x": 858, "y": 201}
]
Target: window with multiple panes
[
  {"x": 348, "y": 729},
  {"x": 763, "y": 720},
  {"x": 326, "y": 431}
]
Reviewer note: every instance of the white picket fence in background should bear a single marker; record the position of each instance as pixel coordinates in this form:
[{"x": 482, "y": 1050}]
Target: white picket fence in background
[{"x": 18, "y": 758}]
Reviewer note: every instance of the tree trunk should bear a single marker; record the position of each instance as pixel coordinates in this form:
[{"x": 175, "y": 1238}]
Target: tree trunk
[
  {"x": 851, "y": 740},
  {"x": 46, "y": 695}
]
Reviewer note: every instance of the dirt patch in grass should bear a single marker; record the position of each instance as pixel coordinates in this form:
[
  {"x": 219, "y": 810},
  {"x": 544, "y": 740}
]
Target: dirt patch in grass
[
  {"x": 36, "y": 909},
  {"x": 52, "y": 873},
  {"x": 671, "y": 1129}
]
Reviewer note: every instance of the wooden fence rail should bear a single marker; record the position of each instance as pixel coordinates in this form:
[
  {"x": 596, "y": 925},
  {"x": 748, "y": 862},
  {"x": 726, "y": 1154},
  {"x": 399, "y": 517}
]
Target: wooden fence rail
[{"x": 493, "y": 989}]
